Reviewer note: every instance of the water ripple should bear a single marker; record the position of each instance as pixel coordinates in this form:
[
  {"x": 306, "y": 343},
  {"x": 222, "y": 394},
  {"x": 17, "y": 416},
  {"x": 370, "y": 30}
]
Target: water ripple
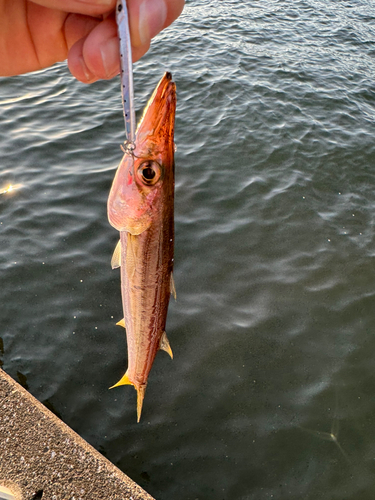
[{"x": 274, "y": 253}]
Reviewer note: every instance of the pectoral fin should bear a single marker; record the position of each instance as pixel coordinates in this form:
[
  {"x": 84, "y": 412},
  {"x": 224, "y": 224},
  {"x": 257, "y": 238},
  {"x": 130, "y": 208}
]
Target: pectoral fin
[
  {"x": 173, "y": 288},
  {"x": 116, "y": 257},
  {"x": 164, "y": 345},
  {"x": 131, "y": 255}
]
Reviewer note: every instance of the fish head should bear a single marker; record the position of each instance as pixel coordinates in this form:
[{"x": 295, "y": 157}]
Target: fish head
[{"x": 145, "y": 176}]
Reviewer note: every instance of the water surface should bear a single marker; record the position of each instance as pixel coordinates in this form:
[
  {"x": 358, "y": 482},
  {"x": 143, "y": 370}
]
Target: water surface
[{"x": 273, "y": 328}]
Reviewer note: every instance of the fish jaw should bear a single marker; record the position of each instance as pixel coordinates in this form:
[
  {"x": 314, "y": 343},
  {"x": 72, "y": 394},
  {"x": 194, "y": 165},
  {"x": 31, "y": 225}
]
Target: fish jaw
[
  {"x": 155, "y": 131},
  {"x": 137, "y": 186}
]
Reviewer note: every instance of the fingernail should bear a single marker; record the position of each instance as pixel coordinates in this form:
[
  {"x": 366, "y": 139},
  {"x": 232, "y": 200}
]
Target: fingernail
[
  {"x": 86, "y": 71},
  {"x": 152, "y": 16},
  {"x": 110, "y": 56}
]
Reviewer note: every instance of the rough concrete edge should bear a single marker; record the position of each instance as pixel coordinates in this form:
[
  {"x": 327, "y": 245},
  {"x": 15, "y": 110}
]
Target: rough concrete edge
[
  {"x": 13, "y": 487},
  {"x": 64, "y": 428}
]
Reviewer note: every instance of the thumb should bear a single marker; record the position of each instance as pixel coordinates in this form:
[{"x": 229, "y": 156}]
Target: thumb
[{"x": 146, "y": 18}]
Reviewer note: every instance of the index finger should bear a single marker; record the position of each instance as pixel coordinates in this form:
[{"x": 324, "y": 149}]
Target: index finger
[{"x": 87, "y": 7}]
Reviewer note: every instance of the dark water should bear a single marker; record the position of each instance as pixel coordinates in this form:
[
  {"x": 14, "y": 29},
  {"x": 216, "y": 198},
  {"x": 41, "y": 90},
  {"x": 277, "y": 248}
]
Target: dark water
[{"x": 273, "y": 331}]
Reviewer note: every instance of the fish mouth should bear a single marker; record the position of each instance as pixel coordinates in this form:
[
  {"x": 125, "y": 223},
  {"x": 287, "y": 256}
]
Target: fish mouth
[{"x": 159, "y": 115}]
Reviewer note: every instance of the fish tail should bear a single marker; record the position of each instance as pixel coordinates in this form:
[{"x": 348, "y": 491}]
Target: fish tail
[
  {"x": 140, "y": 396},
  {"x": 141, "y": 389},
  {"x": 123, "y": 381}
]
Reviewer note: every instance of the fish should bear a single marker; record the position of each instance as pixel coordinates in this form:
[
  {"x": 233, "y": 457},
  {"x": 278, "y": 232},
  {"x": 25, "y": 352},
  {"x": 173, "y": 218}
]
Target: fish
[
  {"x": 141, "y": 207},
  {"x": 126, "y": 73}
]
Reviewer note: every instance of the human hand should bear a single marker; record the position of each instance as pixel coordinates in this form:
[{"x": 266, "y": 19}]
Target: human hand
[{"x": 36, "y": 34}]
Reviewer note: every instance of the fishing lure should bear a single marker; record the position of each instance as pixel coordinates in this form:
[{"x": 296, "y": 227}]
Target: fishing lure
[{"x": 126, "y": 63}]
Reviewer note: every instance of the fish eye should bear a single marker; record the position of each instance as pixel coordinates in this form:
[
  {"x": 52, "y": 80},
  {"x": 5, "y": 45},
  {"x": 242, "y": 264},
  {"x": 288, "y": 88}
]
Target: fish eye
[{"x": 149, "y": 172}]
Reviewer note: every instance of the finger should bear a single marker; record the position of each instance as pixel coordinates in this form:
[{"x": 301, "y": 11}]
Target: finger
[
  {"x": 77, "y": 26},
  {"x": 148, "y": 17},
  {"x": 174, "y": 9},
  {"x": 77, "y": 65},
  {"x": 88, "y": 7},
  {"x": 96, "y": 56}
]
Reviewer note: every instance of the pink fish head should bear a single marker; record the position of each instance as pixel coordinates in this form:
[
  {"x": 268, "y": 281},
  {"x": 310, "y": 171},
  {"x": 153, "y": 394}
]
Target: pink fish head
[{"x": 144, "y": 178}]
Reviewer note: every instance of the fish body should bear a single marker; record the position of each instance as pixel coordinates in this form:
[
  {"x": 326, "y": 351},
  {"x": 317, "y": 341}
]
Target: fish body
[{"x": 141, "y": 208}]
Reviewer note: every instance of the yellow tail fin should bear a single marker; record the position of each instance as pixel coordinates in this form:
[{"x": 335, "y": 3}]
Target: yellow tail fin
[
  {"x": 123, "y": 381},
  {"x": 140, "y": 396},
  {"x": 140, "y": 392}
]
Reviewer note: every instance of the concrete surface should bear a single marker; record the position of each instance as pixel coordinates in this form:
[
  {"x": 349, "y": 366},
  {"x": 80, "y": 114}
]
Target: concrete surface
[{"x": 42, "y": 458}]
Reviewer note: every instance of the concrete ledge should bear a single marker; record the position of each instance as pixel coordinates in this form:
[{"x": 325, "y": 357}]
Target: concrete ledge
[{"x": 42, "y": 458}]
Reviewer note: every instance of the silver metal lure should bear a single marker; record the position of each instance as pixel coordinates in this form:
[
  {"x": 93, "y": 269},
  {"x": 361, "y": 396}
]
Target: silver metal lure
[{"x": 126, "y": 69}]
